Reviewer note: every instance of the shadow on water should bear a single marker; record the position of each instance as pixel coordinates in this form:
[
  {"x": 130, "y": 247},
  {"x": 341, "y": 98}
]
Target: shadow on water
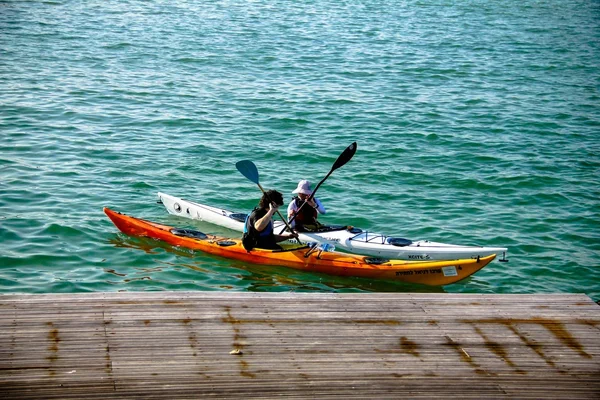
[{"x": 267, "y": 278}]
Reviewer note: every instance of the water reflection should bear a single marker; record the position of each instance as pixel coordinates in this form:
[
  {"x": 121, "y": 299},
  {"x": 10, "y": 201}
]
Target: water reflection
[{"x": 112, "y": 271}]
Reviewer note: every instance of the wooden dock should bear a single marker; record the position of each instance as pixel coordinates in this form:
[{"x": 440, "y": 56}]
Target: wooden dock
[{"x": 177, "y": 345}]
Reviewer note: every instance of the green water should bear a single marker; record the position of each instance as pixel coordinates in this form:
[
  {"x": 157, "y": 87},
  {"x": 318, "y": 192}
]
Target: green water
[{"x": 477, "y": 122}]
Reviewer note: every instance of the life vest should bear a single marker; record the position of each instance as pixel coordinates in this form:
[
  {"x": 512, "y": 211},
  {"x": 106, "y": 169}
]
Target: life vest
[
  {"x": 252, "y": 238},
  {"x": 307, "y": 214},
  {"x": 267, "y": 231}
]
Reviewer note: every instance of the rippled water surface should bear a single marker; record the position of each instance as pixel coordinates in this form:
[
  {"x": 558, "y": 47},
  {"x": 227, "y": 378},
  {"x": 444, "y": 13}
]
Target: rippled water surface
[{"x": 477, "y": 122}]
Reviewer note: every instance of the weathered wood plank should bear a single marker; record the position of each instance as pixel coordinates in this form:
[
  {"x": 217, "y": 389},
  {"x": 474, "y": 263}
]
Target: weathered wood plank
[{"x": 178, "y": 344}]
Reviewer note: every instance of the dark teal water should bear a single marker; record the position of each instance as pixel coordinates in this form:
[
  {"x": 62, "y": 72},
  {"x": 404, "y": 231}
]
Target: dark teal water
[{"x": 478, "y": 122}]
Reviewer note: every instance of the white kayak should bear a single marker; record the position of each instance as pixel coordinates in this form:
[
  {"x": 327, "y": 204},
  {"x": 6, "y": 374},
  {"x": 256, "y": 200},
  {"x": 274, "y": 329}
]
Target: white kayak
[{"x": 345, "y": 238}]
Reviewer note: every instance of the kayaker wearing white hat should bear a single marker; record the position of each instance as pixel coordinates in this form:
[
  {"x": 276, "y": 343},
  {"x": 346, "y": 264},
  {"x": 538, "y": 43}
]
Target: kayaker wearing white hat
[{"x": 306, "y": 220}]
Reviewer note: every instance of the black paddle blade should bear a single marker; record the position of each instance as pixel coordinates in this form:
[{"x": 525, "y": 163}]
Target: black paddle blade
[
  {"x": 345, "y": 156},
  {"x": 248, "y": 169}
]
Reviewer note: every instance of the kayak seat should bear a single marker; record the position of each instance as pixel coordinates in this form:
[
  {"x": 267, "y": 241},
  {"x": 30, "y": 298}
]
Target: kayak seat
[
  {"x": 400, "y": 242},
  {"x": 241, "y": 217},
  {"x": 189, "y": 233}
]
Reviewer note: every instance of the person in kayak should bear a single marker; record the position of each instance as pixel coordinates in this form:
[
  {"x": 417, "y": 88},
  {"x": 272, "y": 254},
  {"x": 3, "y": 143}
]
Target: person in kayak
[
  {"x": 306, "y": 220},
  {"x": 261, "y": 220}
]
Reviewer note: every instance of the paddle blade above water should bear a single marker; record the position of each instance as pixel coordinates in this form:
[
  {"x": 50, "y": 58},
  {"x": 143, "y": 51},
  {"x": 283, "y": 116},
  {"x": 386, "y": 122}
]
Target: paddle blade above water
[
  {"x": 346, "y": 155},
  {"x": 248, "y": 169}
]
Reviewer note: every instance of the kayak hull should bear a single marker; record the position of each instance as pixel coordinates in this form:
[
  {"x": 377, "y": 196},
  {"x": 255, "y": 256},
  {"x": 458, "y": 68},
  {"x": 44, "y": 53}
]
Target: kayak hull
[
  {"x": 436, "y": 273},
  {"x": 347, "y": 239}
]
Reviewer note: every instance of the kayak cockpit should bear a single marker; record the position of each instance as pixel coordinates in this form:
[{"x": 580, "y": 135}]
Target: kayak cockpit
[
  {"x": 333, "y": 228},
  {"x": 193, "y": 234},
  {"x": 367, "y": 237},
  {"x": 190, "y": 233},
  {"x": 240, "y": 217}
]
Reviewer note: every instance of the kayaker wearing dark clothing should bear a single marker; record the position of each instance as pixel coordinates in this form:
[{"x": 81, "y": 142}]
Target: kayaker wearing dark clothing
[
  {"x": 306, "y": 220},
  {"x": 261, "y": 219}
]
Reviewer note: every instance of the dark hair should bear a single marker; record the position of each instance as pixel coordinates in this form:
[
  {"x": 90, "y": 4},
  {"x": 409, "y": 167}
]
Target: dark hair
[{"x": 270, "y": 196}]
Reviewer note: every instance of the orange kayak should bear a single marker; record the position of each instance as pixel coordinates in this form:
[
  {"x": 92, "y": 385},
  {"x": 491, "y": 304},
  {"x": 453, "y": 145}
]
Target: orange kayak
[{"x": 307, "y": 258}]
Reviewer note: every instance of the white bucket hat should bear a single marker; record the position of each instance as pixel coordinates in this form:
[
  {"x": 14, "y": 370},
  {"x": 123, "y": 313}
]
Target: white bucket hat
[{"x": 303, "y": 187}]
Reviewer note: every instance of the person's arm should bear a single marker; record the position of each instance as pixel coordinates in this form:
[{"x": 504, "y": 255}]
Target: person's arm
[
  {"x": 290, "y": 212},
  {"x": 261, "y": 223},
  {"x": 319, "y": 206},
  {"x": 291, "y": 208},
  {"x": 281, "y": 238}
]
